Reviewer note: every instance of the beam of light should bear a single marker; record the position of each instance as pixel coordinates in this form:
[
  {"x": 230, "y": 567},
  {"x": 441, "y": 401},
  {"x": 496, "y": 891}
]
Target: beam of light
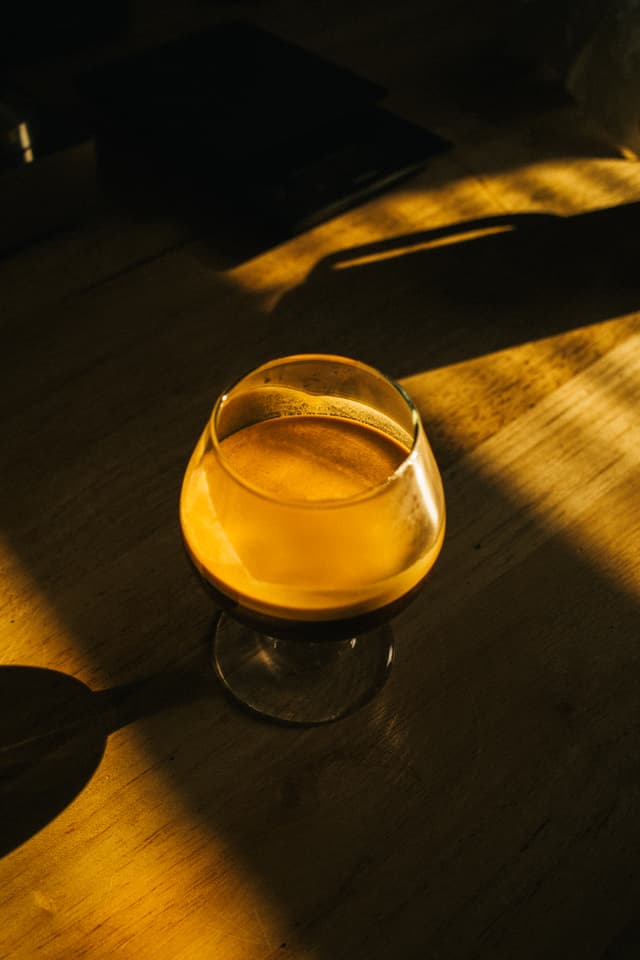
[
  {"x": 25, "y": 143},
  {"x": 442, "y": 241},
  {"x": 88, "y": 874},
  {"x": 444, "y": 394},
  {"x": 32, "y": 630},
  {"x": 569, "y": 466}
]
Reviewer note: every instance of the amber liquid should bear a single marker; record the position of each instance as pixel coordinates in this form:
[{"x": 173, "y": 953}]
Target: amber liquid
[{"x": 306, "y": 519}]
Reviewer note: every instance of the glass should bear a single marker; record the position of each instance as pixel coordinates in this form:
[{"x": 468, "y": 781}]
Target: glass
[{"x": 312, "y": 508}]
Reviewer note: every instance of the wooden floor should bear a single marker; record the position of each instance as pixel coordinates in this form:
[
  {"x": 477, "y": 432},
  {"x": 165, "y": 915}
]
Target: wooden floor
[{"x": 485, "y": 804}]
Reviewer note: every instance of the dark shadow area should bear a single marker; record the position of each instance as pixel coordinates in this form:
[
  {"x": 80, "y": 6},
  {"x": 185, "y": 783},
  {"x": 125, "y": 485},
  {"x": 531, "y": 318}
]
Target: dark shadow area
[
  {"x": 503, "y": 88},
  {"x": 38, "y": 43},
  {"x": 249, "y": 138},
  {"x": 48, "y": 756},
  {"x": 246, "y": 137},
  {"x": 249, "y": 201},
  {"x": 54, "y": 731},
  {"x": 453, "y": 295}
]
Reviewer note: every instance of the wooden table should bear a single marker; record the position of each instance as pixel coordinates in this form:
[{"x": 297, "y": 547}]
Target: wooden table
[{"x": 486, "y": 804}]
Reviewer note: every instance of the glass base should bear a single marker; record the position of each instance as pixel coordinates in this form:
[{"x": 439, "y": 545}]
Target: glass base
[{"x": 299, "y": 681}]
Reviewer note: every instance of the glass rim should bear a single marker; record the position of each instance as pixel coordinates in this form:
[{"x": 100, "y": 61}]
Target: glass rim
[{"x": 314, "y": 504}]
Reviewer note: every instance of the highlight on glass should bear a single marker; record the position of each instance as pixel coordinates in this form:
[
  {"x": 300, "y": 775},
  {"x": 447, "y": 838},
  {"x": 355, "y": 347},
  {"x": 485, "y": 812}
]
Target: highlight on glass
[{"x": 312, "y": 509}]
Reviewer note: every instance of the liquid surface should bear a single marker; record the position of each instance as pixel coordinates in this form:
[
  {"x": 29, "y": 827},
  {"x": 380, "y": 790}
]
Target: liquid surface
[
  {"x": 319, "y": 528},
  {"x": 311, "y": 458}
]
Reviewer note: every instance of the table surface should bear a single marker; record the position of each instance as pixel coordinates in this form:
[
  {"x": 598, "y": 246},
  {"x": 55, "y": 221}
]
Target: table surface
[{"x": 485, "y": 804}]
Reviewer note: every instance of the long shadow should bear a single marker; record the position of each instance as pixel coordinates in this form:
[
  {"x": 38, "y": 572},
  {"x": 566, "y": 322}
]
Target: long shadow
[
  {"x": 473, "y": 287},
  {"x": 54, "y": 730},
  {"x": 501, "y": 780}
]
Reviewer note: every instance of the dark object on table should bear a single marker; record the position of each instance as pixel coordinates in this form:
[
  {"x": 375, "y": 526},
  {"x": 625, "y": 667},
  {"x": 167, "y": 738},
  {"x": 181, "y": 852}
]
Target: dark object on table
[{"x": 250, "y": 120}]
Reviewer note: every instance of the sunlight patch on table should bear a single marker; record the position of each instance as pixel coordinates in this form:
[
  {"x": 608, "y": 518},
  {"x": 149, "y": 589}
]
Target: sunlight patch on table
[
  {"x": 572, "y": 463},
  {"x": 32, "y": 631},
  {"x": 553, "y": 186},
  {"x": 149, "y": 881},
  {"x": 579, "y": 187},
  {"x": 444, "y": 240},
  {"x": 471, "y": 400}
]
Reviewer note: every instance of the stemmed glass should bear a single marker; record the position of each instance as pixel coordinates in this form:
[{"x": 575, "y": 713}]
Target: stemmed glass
[{"x": 312, "y": 507}]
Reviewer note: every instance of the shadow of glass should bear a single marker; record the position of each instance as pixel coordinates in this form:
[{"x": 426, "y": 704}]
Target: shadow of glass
[
  {"x": 48, "y": 756},
  {"x": 54, "y": 731}
]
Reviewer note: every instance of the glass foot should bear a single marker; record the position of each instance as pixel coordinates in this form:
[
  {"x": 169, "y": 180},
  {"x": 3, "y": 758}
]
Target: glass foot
[{"x": 300, "y": 681}]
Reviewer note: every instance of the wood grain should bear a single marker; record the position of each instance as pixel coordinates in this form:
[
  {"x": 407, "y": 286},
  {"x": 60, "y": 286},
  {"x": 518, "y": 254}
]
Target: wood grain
[{"x": 485, "y": 803}]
